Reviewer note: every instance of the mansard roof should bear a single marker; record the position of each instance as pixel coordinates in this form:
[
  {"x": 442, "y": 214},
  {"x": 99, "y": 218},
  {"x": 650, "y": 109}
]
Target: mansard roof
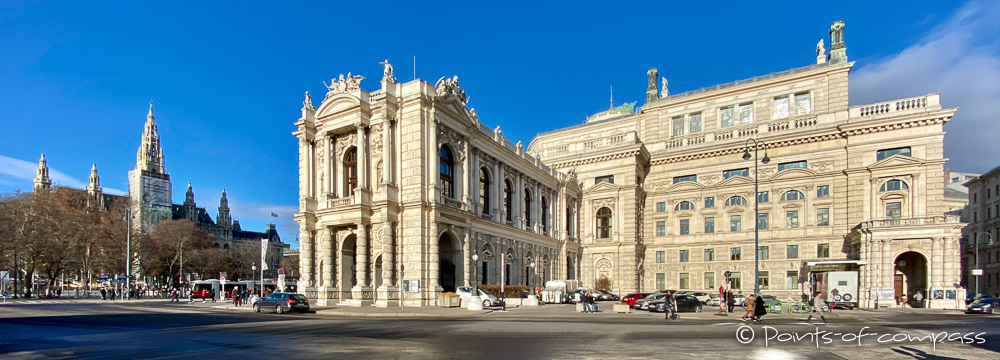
[{"x": 202, "y": 216}]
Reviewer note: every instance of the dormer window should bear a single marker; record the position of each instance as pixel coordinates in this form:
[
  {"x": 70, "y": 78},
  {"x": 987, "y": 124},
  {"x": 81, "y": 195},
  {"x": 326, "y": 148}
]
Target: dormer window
[{"x": 887, "y": 153}]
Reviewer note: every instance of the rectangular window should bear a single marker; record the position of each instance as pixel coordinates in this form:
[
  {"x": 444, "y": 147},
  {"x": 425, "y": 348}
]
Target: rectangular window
[
  {"x": 710, "y": 202},
  {"x": 661, "y": 228},
  {"x": 790, "y": 165},
  {"x": 893, "y": 210},
  {"x": 791, "y": 279},
  {"x": 823, "y": 217},
  {"x": 685, "y": 227},
  {"x": 608, "y": 179},
  {"x": 661, "y": 256},
  {"x": 678, "y": 126},
  {"x": 734, "y": 253},
  {"x": 746, "y": 114},
  {"x": 730, "y": 173},
  {"x": 883, "y": 154},
  {"x": 709, "y": 225},
  {"x": 726, "y": 116},
  {"x": 823, "y": 191},
  {"x": 762, "y": 197},
  {"x": 734, "y": 223},
  {"x": 694, "y": 123},
  {"x": 762, "y": 280},
  {"x": 685, "y": 256},
  {"x": 709, "y": 254},
  {"x": 823, "y": 250},
  {"x": 792, "y": 251},
  {"x": 762, "y": 221},
  {"x": 764, "y": 252},
  {"x": 661, "y": 207},
  {"x": 781, "y": 107},
  {"x": 802, "y": 104},
  {"x": 661, "y": 280},
  {"x": 791, "y": 219},
  {"x": 736, "y": 280},
  {"x": 685, "y": 281},
  {"x": 709, "y": 280},
  {"x": 686, "y": 178}
]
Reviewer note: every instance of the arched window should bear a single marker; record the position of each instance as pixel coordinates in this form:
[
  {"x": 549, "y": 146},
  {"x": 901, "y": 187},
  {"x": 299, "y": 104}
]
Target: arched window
[
  {"x": 736, "y": 200},
  {"x": 484, "y": 190},
  {"x": 569, "y": 221},
  {"x": 447, "y": 169},
  {"x": 351, "y": 168},
  {"x": 684, "y": 205},
  {"x": 216, "y": 245},
  {"x": 792, "y": 195},
  {"x": 545, "y": 215},
  {"x": 604, "y": 223},
  {"x": 527, "y": 207},
  {"x": 508, "y": 198},
  {"x": 893, "y": 185}
]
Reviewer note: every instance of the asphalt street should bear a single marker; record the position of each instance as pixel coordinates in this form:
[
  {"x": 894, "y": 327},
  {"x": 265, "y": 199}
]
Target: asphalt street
[{"x": 160, "y": 330}]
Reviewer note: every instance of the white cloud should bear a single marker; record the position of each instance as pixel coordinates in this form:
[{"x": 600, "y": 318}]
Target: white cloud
[
  {"x": 16, "y": 172},
  {"x": 960, "y": 59}
]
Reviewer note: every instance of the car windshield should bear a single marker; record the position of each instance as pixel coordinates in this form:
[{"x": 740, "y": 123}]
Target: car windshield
[
  {"x": 298, "y": 297},
  {"x": 984, "y": 301}
]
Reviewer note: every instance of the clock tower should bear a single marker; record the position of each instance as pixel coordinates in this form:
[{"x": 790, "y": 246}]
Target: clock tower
[{"x": 149, "y": 184}]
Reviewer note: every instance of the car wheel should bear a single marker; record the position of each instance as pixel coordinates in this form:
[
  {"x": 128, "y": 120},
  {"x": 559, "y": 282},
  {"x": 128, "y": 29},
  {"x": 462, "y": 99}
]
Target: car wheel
[
  {"x": 279, "y": 309},
  {"x": 487, "y": 303},
  {"x": 256, "y": 308},
  {"x": 697, "y": 309}
]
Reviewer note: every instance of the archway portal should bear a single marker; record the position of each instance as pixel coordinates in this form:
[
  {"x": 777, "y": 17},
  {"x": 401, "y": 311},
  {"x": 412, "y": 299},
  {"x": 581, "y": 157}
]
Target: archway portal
[
  {"x": 910, "y": 276},
  {"x": 449, "y": 257},
  {"x": 378, "y": 271},
  {"x": 348, "y": 263}
]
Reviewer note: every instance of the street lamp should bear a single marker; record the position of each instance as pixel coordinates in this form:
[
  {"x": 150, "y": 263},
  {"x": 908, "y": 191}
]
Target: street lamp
[
  {"x": 989, "y": 241},
  {"x": 128, "y": 252},
  {"x": 253, "y": 279},
  {"x": 756, "y": 214},
  {"x": 531, "y": 277},
  {"x": 475, "y": 274}
]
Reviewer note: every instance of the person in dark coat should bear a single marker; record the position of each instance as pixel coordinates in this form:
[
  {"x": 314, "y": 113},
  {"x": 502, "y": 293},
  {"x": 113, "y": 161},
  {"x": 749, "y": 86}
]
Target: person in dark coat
[
  {"x": 759, "y": 309},
  {"x": 669, "y": 306},
  {"x": 730, "y": 300},
  {"x": 104, "y": 294}
]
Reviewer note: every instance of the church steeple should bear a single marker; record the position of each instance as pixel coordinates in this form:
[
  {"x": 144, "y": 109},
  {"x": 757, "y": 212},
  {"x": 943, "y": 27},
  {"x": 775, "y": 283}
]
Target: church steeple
[
  {"x": 42, "y": 180},
  {"x": 150, "y": 155},
  {"x": 95, "y": 181},
  {"x": 224, "y": 218},
  {"x": 189, "y": 196}
]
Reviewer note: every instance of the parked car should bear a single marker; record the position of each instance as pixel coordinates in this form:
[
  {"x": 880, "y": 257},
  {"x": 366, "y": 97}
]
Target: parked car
[
  {"x": 282, "y": 302},
  {"x": 631, "y": 298},
  {"x": 685, "y": 303},
  {"x": 983, "y": 305},
  {"x": 740, "y": 300},
  {"x": 701, "y": 296},
  {"x": 603, "y": 295},
  {"x": 713, "y": 301},
  {"x": 465, "y": 292},
  {"x": 639, "y": 303}
]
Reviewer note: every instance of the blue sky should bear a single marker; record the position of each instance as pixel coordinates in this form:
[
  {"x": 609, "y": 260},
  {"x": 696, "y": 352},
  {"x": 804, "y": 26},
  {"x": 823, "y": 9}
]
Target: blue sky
[{"x": 228, "y": 78}]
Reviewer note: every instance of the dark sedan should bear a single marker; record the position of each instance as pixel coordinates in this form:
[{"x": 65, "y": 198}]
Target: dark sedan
[
  {"x": 982, "y": 305},
  {"x": 281, "y": 302},
  {"x": 685, "y": 303}
]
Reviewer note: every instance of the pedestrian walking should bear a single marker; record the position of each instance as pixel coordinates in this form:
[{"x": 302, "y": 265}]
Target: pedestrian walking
[
  {"x": 759, "y": 308},
  {"x": 918, "y": 299},
  {"x": 173, "y": 296},
  {"x": 204, "y": 295},
  {"x": 902, "y": 301},
  {"x": 730, "y": 300},
  {"x": 585, "y": 300},
  {"x": 817, "y": 309},
  {"x": 750, "y": 303},
  {"x": 111, "y": 293},
  {"x": 212, "y": 294},
  {"x": 104, "y": 294},
  {"x": 669, "y": 306}
]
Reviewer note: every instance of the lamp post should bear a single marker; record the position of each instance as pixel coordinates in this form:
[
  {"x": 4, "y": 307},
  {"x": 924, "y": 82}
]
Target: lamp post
[
  {"x": 253, "y": 279},
  {"x": 475, "y": 274},
  {"x": 756, "y": 214},
  {"x": 128, "y": 252},
  {"x": 531, "y": 277},
  {"x": 989, "y": 241}
]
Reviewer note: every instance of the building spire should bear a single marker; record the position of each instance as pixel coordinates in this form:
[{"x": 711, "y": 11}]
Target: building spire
[
  {"x": 224, "y": 218},
  {"x": 42, "y": 180},
  {"x": 95, "y": 181},
  {"x": 189, "y": 196},
  {"x": 150, "y": 155}
]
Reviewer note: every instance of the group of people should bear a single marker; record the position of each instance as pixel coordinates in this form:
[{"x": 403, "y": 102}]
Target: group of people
[
  {"x": 755, "y": 308},
  {"x": 589, "y": 303}
]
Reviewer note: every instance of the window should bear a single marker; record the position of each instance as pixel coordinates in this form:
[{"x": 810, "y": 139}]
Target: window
[
  {"x": 661, "y": 281},
  {"x": 685, "y": 281},
  {"x": 694, "y": 123},
  {"x": 661, "y": 207},
  {"x": 709, "y": 281},
  {"x": 684, "y": 205},
  {"x": 730, "y": 173},
  {"x": 484, "y": 190},
  {"x": 823, "y": 250},
  {"x": 781, "y": 108},
  {"x": 762, "y": 197},
  {"x": 762, "y": 280},
  {"x": 527, "y": 207},
  {"x": 709, "y": 225},
  {"x": 792, "y": 219},
  {"x": 802, "y": 104},
  {"x": 762, "y": 221},
  {"x": 686, "y": 178},
  {"x": 746, "y": 114},
  {"x": 678, "y": 125},
  {"x": 884, "y": 154},
  {"x": 604, "y": 223},
  {"x": 736, "y": 279},
  {"x": 447, "y": 168},
  {"x": 709, "y": 254},
  {"x": 726, "y": 116},
  {"x": 661, "y": 228},
  {"x": 792, "y": 195},
  {"x": 823, "y": 217},
  {"x": 734, "y": 253},
  {"x": 764, "y": 252},
  {"x": 608, "y": 179},
  {"x": 685, "y": 227},
  {"x": 792, "y": 165},
  {"x": 892, "y": 210},
  {"x": 736, "y": 200},
  {"x": 685, "y": 256},
  {"x": 351, "y": 167},
  {"x": 734, "y": 223},
  {"x": 823, "y": 191},
  {"x": 893, "y": 185},
  {"x": 792, "y": 251},
  {"x": 791, "y": 279},
  {"x": 569, "y": 221},
  {"x": 508, "y": 194},
  {"x": 660, "y": 256},
  {"x": 545, "y": 215},
  {"x": 710, "y": 202}
]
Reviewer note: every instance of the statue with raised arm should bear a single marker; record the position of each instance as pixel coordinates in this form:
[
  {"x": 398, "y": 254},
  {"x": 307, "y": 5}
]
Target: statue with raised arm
[
  {"x": 341, "y": 84},
  {"x": 663, "y": 91},
  {"x": 309, "y": 101},
  {"x": 820, "y": 49},
  {"x": 387, "y": 71}
]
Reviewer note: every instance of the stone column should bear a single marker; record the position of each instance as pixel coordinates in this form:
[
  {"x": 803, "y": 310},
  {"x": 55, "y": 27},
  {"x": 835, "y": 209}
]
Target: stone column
[
  {"x": 330, "y": 159},
  {"x": 466, "y": 168},
  {"x": 434, "y": 158},
  {"x": 466, "y": 256},
  {"x": 388, "y": 294},
  {"x": 935, "y": 269},
  {"x": 362, "y": 293},
  {"x": 951, "y": 258},
  {"x": 325, "y": 266},
  {"x": 501, "y": 215},
  {"x": 433, "y": 257},
  {"x": 305, "y": 263},
  {"x": 363, "y": 169}
]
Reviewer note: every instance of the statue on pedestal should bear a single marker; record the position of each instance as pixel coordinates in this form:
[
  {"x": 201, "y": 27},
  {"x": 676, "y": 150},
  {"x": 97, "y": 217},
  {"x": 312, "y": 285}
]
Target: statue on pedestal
[
  {"x": 664, "y": 92},
  {"x": 387, "y": 71}
]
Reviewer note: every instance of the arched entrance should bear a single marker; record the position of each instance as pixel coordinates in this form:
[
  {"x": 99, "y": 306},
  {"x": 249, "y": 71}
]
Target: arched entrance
[
  {"x": 569, "y": 268},
  {"x": 910, "y": 276},
  {"x": 348, "y": 263},
  {"x": 449, "y": 256},
  {"x": 378, "y": 271}
]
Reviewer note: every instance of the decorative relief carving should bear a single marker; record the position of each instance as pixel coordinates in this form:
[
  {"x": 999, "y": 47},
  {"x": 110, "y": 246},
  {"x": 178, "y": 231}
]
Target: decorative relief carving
[
  {"x": 765, "y": 172},
  {"x": 376, "y": 138},
  {"x": 448, "y": 88},
  {"x": 350, "y": 83},
  {"x": 344, "y": 141},
  {"x": 823, "y": 165},
  {"x": 710, "y": 179},
  {"x": 605, "y": 202}
]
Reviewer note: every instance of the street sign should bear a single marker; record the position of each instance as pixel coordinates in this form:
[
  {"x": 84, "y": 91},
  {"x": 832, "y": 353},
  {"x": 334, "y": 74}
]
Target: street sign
[
  {"x": 281, "y": 271},
  {"x": 102, "y": 278},
  {"x": 222, "y": 278},
  {"x": 977, "y": 272}
]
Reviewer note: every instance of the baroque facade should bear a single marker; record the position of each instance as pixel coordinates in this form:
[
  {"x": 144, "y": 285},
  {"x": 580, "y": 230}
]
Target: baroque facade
[{"x": 653, "y": 198}]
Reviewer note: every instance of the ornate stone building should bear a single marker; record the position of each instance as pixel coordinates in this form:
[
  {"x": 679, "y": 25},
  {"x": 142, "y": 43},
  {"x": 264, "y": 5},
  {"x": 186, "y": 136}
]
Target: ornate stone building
[
  {"x": 654, "y": 198},
  {"x": 984, "y": 227}
]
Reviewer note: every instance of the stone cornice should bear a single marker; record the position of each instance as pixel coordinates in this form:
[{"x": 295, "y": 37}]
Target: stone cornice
[{"x": 620, "y": 155}]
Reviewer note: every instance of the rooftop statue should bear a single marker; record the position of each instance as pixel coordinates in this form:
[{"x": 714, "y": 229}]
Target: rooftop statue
[
  {"x": 387, "y": 71},
  {"x": 308, "y": 103},
  {"x": 663, "y": 91},
  {"x": 449, "y": 87},
  {"x": 820, "y": 49}
]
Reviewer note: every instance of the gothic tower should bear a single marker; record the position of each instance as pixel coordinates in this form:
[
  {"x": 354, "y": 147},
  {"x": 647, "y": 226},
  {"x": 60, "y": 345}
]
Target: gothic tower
[
  {"x": 149, "y": 184},
  {"x": 94, "y": 188},
  {"x": 42, "y": 180},
  {"x": 190, "y": 208},
  {"x": 224, "y": 219}
]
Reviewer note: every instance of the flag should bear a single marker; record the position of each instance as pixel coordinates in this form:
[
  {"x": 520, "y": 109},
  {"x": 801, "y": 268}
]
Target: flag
[{"x": 274, "y": 215}]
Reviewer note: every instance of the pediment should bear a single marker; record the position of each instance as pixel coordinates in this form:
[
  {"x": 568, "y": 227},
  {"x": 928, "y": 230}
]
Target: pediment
[
  {"x": 603, "y": 186},
  {"x": 340, "y": 102},
  {"x": 685, "y": 185},
  {"x": 896, "y": 195},
  {"x": 792, "y": 205},
  {"x": 794, "y": 173},
  {"x": 896, "y": 161},
  {"x": 684, "y": 214},
  {"x": 735, "y": 180},
  {"x": 735, "y": 210}
]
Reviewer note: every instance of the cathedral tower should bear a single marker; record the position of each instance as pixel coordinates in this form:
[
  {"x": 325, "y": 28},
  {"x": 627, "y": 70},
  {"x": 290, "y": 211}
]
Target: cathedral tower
[
  {"x": 149, "y": 184},
  {"x": 224, "y": 219},
  {"x": 42, "y": 180},
  {"x": 94, "y": 188}
]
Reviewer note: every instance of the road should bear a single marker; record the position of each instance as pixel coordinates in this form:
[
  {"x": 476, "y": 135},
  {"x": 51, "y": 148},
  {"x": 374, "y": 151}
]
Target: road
[{"x": 171, "y": 331}]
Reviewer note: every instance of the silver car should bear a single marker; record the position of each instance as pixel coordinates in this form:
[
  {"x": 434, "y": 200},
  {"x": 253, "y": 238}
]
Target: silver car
[
  {"x": 465, "y": 292},
  {"x": 639, "y": 304}
]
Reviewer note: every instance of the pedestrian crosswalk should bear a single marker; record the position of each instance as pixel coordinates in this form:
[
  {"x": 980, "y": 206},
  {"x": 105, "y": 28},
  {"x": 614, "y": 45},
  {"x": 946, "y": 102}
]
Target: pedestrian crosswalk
[{"x": 48, "y": 301}]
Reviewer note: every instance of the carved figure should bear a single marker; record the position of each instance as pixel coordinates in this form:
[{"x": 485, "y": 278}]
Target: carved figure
[
  {"x": 449, "y": 87},
  {"x": 387, "y": 71},
  {"x": 663, "y": 91},
  {"x": 308, "y": 103},
  {"x": 820, "y": 49}
]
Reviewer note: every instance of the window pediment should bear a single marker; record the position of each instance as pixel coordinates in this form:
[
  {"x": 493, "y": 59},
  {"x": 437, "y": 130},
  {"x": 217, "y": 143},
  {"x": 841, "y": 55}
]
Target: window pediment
[
  {"x": 734, "y": 211},
  {"x": 684, "y": 214},
  {"x": 896, "y": 161},
  {"x": 735, "y": 180},
  {"x": 791, "y": 206},
  {"x": 895, "y": 195},
  {"x": 685, "y": 185},
  {"x": 603, "y": 186},
  {"x": 794, "y": 173}
]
